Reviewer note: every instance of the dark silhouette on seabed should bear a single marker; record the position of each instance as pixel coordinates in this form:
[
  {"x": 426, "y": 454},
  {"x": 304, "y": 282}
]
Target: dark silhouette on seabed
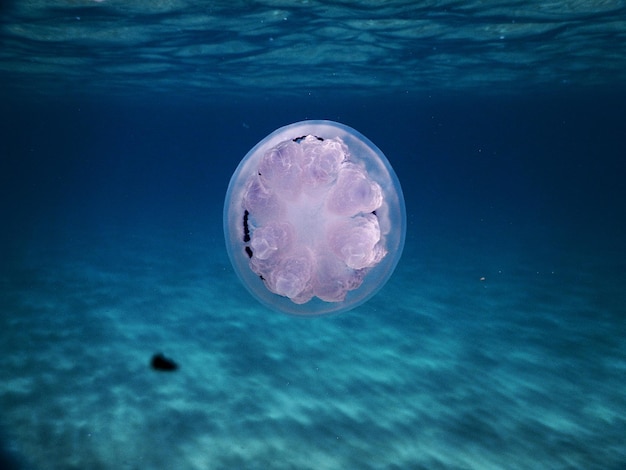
[{"x": 161, "y": 363}]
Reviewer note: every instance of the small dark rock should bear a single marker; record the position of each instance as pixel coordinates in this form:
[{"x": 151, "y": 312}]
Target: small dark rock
[{"x": 160, "y": 362}]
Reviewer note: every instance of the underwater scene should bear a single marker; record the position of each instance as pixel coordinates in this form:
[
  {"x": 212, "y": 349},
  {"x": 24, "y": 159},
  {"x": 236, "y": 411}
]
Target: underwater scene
[{"x": 316, "y": 235}]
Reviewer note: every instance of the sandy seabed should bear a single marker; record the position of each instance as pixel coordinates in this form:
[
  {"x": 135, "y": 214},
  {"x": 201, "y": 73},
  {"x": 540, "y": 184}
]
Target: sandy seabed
[{"x": 461, "y": 361}]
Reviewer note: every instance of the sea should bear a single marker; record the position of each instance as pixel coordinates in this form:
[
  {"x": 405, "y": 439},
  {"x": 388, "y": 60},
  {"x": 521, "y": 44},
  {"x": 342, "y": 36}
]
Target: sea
[{"x": 499, "y": 341}]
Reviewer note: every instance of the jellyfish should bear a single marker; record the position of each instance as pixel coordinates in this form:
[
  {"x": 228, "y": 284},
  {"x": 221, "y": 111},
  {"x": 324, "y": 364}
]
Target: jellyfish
[{"x": 314, "y": 219}]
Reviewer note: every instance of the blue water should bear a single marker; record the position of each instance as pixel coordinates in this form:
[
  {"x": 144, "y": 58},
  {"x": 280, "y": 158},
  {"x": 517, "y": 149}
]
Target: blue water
[{"x": 498, "y": 343}]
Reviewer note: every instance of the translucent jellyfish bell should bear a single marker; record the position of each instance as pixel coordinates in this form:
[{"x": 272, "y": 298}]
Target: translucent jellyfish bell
[{"x": 314, "y": 219}]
